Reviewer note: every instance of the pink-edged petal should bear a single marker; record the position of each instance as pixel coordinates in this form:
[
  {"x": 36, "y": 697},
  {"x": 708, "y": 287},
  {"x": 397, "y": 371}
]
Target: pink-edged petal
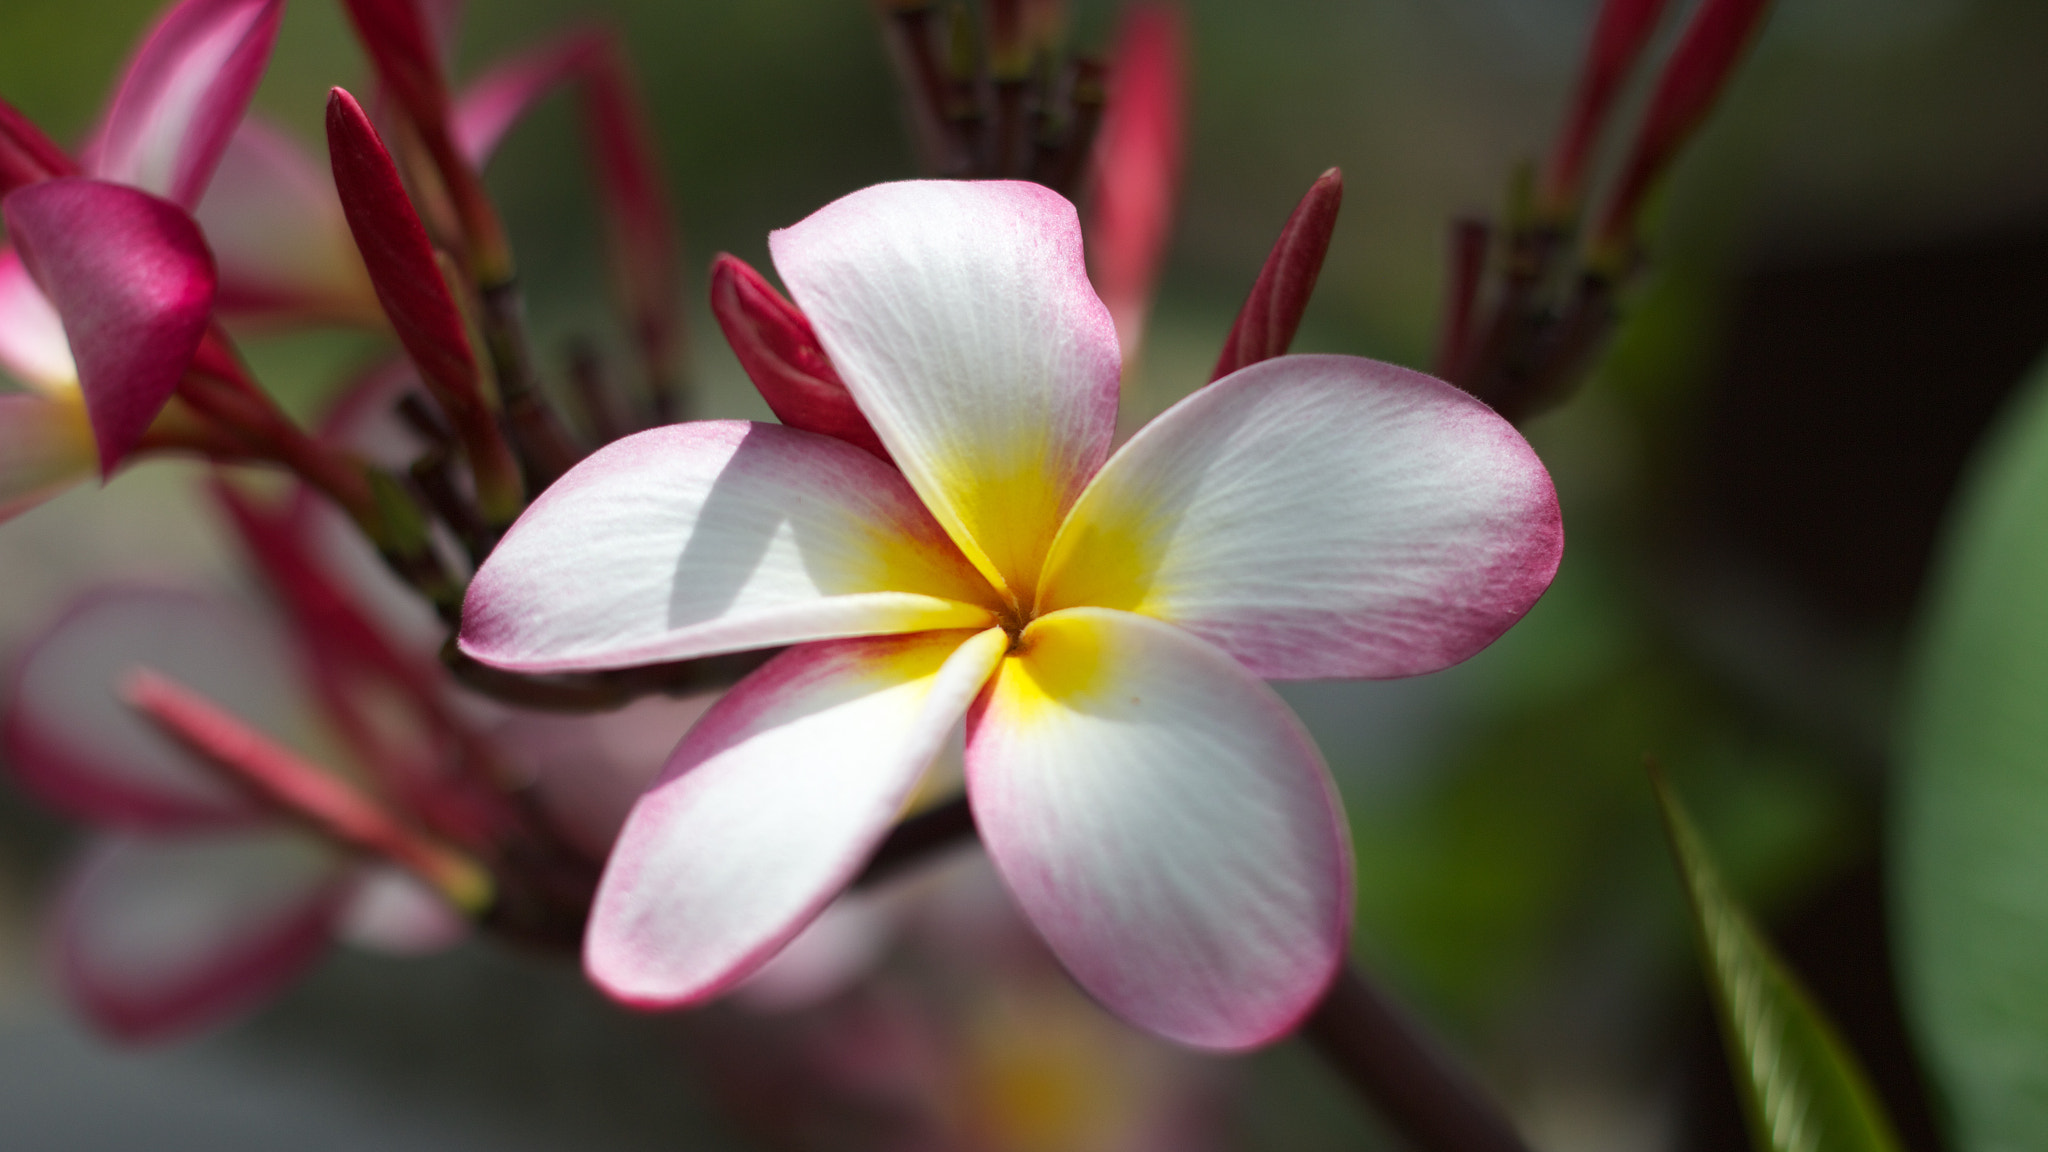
[
  {"x": 32, "y": 345},
  {"x": 1319, "y": 516},
  {"x": 75, "y": 743},
  {"x": 1136, "y": 174},
  {"x": 769, "y": 807},
  {"x": 392, "y": 911},
  {"x": 158, "y": 936},
  {"x": 133, "y": 281},
  {"x": 960, "y": 316},
  {"x": 1167, "y": 825},
  {"x": 588, "y": 770},
  {"x": 45, "y": 447},
  {"x": 278, "y": 234},
  {"x": 711, "y": 537},
  {"x": 183, "y": 94}
]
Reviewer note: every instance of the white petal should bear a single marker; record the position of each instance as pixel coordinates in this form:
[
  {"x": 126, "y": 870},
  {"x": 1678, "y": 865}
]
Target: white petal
[
  {"x": 1319, "y": 516},
  {"x": 770, "y": 805},
  {"x": 157, "y": 936},
  {"x": 33, "y": 347},
  {"x": 960, "y": 316},
  {"x": 713, "y": 537},
  {"x": 1167, "y": 825}
]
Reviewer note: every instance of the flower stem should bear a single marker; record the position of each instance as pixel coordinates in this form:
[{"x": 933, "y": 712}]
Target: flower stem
[
  {"x": 542, "y": 444},
  {"x": 1386, "y": 1055}
]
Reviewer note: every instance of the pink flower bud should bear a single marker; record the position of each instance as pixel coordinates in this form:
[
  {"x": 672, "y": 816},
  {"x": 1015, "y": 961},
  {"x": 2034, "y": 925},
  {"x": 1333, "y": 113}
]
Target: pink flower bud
[
  {"x": 1137, "y": 165},
  {"x": 638, "y": 221},
  {"x": 300, "y": 789}
]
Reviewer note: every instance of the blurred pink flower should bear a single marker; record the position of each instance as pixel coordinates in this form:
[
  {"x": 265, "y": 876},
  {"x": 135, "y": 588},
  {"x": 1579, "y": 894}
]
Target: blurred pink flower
[
  {"x": 958, "y": 1032},
  {"x": 1102, "y": 623},
  {"x": 196, "y": 900},
  {"x": 110, "y": 288},
  {"x": 200, "y": 898}
]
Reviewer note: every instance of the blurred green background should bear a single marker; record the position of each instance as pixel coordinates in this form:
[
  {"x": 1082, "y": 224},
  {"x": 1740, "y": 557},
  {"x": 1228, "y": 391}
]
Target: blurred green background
[{"x": 1850, "y": 271}]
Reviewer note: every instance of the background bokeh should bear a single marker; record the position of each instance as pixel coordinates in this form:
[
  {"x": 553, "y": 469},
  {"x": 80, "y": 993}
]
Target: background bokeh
[{"x": 1850, "y": 272}]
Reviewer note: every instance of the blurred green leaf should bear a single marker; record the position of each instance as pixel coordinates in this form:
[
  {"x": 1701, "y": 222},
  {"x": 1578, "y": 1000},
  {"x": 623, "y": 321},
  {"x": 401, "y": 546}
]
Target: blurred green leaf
[
  {"x": 1972, "y": 804},
  {"x": 1801, "y": 1087}
]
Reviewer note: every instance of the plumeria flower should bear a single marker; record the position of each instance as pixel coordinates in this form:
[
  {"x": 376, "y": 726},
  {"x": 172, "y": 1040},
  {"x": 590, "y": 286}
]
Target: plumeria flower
[
  {"x": 102, "y": 341},
  {"x": 196, "y": 900},
  {"x": 1104, "y": 624},
  {"x": 111, "y": 287}
]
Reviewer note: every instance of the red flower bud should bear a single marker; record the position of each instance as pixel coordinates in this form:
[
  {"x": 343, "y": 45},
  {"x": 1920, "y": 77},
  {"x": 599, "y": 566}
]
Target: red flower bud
[
  {"x": 1619, "y": 36},
  {"x": 781, "y": 355},
  {"x": 1693, "y": 78},
  {"x": 400, "y": 43},
  {"x": 638, "y": 220},
  {"x": 1272, "y": 313},
  {"x": 400, "y": 40},
  {"x": 407, "y": 278}
]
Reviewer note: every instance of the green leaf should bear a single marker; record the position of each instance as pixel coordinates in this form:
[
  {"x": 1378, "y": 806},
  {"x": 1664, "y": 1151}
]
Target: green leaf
[
  {"x": 1971, "y": 808},
  {"x": 1801, "y": 1087}
]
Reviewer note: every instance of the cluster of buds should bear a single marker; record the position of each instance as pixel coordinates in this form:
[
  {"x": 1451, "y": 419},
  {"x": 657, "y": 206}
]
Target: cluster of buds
[
  {"x": 1529, "y": 305},
  {"x": 989, "y": 93}
]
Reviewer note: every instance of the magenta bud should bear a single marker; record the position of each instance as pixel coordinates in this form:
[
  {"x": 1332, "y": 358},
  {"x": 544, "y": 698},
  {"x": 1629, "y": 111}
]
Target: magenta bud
[
  {"x": 1470, "y": 239},
  {"x": 407, "y": 279},
  {"x": 400, "y": 43},
  {"x": 781, "y": 355},
  {"x": 1272, "y": 313}
]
